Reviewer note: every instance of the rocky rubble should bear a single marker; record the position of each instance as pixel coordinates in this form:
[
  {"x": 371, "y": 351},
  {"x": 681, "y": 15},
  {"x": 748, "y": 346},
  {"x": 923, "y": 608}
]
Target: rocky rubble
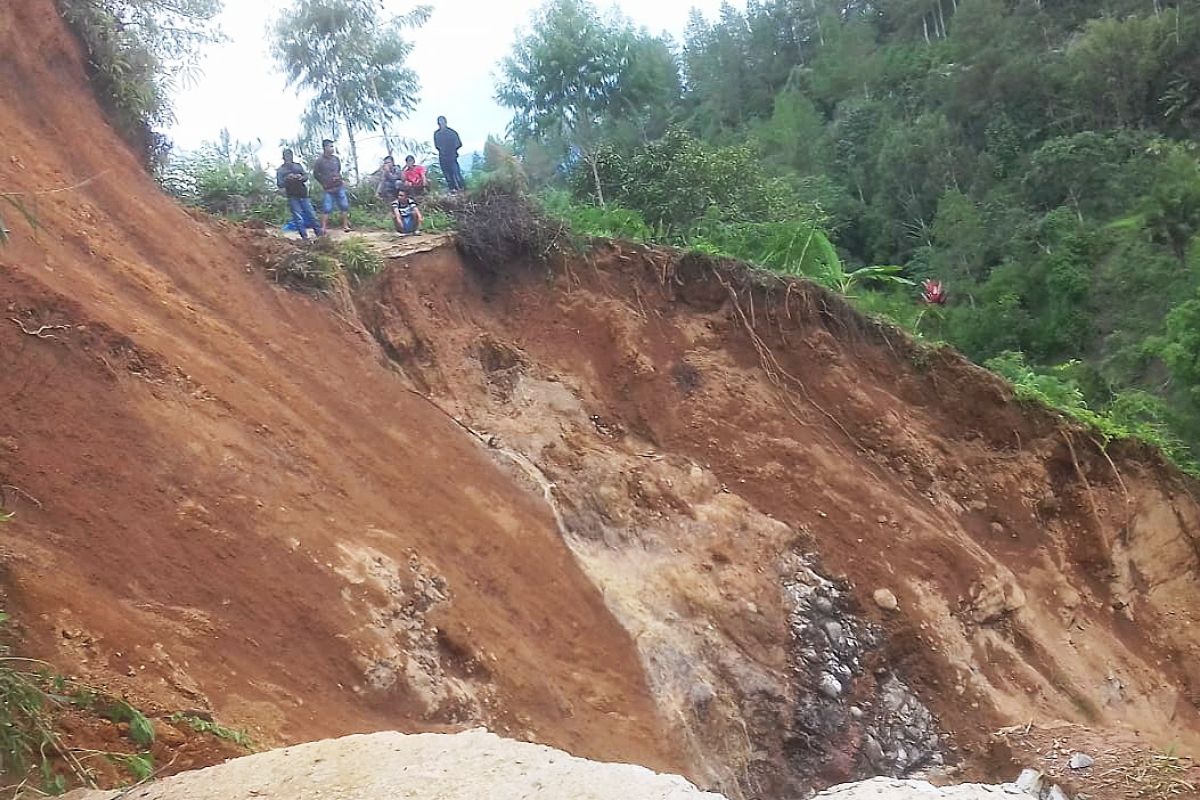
[{"x": 881, "y": 721}]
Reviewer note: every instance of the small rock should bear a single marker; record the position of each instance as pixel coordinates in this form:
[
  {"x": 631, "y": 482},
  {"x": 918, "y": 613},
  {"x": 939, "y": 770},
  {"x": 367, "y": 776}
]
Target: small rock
[
  {"x": 1030, "y": 782},
  {"x": 1081, "y": 761},
  {"x": 1057, "y": 794},
  {"x": 823, "y": 604},
  {"x": 886, "y": 599},
  {"x": 836, "y": 633},
  {"x": 856, "y": 712},
  {"x": 830, "y": 686},
  {"x": 997, "y": 529},
  {"x": 873, "y": 751}
]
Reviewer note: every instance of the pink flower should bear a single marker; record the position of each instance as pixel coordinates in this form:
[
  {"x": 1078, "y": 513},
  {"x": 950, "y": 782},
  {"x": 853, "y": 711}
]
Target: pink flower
[{"x": 933, "y": 293}]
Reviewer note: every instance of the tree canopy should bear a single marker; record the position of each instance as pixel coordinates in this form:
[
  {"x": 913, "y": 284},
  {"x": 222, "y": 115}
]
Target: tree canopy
[
  {"x": 1038, "y": 158},
  {"x": 353, "y": 62}
]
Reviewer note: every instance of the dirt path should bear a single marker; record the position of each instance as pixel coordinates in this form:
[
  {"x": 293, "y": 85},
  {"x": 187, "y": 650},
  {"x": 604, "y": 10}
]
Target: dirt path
[{"x": 386, "y": 244}]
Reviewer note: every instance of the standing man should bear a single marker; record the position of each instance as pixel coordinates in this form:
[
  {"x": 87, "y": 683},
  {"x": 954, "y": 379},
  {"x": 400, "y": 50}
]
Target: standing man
[
  {"x": 448, "y": 143},
  {"x": 292, "y": 178},
  {"x": 328, "y": 172}
]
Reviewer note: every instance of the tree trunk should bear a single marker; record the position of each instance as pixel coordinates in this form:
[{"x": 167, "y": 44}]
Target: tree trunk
[
  {"x": 350, "y": 132},
  {"x": 353, "y": 153},
  {"x": 387, "y": 138},
  {"x": 596, "y": 178}
]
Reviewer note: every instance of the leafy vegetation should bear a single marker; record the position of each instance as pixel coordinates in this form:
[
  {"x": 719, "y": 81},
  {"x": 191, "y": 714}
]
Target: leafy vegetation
[
  {"x": 358, "y": 259},
  {"x": 1036, "y": 159},
  {"x": 354, "y": 64},
  {"x": 202, "y": 725},
  {"x": 138, "y": 51},
  {"x": 32, "y": 751},
  {"x": 225, "y": 177}
]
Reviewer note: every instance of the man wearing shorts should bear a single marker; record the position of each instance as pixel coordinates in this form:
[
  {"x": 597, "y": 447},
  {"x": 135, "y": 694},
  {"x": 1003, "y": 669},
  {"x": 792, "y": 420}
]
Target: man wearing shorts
[
  {"x": 406, "y": 215},
  {"x": 328, "y": 172}
]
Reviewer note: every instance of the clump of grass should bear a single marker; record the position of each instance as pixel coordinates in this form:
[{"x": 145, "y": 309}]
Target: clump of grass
[
  {"x": 313, "y": 266},
  {"x": 208, "y": 726},
  {"x": 358, "y": 259},
  {"x": 32, "y": 751}
]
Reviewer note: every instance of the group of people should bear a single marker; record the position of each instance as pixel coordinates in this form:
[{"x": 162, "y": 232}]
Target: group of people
[{"x": 399, "y": 187}]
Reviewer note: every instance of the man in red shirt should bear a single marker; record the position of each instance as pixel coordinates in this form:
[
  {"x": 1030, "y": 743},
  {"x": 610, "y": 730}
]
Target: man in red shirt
[{"x": 413, "y": 178}]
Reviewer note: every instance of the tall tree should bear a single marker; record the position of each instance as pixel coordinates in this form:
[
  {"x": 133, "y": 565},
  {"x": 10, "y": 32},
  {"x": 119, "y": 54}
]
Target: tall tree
[
  {"x": 353, "y": 62},
  {"x": 575, "y": 74}
]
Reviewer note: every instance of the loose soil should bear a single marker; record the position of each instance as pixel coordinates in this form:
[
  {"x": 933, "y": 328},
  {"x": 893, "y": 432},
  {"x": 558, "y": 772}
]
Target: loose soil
[{"x": 226, "y": 500}]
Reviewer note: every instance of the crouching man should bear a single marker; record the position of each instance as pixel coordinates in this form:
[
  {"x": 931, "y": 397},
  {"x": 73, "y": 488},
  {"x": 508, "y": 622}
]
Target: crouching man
[{"x": 406, "y": 214}]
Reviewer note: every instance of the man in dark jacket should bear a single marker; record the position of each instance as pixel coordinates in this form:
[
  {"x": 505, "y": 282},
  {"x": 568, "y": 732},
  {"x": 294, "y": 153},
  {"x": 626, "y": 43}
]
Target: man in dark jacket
[
  {"x": 292, "y": 178},
  {"x": 328, "y": 171},
  {"x": 448, "y": 143}
]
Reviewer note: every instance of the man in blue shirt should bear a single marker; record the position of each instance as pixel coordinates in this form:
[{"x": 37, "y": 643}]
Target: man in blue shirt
[
  {"x": 328, "y": 171},
  {"x": 292, "y": 178},
  {"x": 448, "y": 143}
]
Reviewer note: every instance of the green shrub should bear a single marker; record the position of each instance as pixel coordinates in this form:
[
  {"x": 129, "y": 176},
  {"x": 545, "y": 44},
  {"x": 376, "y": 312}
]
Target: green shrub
[
  {"x": 1129, "y": 414},
  {"x": 587, "y": 220},
  {"x": 201, "y": 725},
  {"x": 358, "y": 259},
  {"x": 225, "y": 177},
  {"x": 32, "y": 751},
  {"x": 136, "y": 53}
]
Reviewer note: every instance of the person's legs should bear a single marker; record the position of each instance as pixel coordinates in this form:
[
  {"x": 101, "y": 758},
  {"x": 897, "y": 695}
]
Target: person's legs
[
  {"x": 448, "y": 165},
  {"x": 310, "y": 216},
  {"x": 326, "y": 210},
  {"x": 343, "y": 201},
  {"x": 297, "y": 210},
  {"x": 458, "y": 174}
]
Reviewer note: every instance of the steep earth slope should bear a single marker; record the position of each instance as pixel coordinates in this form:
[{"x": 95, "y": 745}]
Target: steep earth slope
[
  {"x": 840, "y": 554},
  {"x": 636, "y": 505},
  {"x": 224, "y": 497}
]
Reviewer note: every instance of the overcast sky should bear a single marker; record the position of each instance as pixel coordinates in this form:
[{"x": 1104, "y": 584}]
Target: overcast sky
[{"x": 456, "y": 56}]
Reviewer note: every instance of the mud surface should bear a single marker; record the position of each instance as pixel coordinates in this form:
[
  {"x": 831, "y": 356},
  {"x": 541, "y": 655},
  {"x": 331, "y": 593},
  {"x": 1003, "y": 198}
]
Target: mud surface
[{"x": 226, "y": 500}]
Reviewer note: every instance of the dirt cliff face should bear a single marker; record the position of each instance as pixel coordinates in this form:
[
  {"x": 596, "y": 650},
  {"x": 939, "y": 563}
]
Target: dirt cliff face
[
  {"x": 840, "y": 555},
  {"x": 633, "y": 506},
  {"x": 226, "y": 499}
]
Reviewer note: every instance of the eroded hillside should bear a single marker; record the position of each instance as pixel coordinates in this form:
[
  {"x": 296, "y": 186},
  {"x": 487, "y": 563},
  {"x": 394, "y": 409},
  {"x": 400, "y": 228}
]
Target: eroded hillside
[
  {"x": 635, "y": 505},
  {"x": 239, "y": 507},
  {"x": 839, "y": 554}
]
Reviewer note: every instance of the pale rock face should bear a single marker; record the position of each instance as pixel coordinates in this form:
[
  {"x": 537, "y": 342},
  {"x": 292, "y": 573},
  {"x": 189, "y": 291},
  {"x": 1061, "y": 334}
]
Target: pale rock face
[
  {"x": 395, "y": 766},
  {"x": 889, "y": 789}
]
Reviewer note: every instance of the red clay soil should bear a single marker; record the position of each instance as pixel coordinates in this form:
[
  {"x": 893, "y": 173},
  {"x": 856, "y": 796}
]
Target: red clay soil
[
  {"x": 1123, "y": 765},
  {"x": 224, "y": 499},
  {"x": 1038, "y": 577}
]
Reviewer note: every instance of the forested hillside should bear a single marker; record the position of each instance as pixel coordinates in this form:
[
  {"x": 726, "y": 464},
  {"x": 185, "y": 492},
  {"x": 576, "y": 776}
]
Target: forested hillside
[{"x": 1036, "y": 157}]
